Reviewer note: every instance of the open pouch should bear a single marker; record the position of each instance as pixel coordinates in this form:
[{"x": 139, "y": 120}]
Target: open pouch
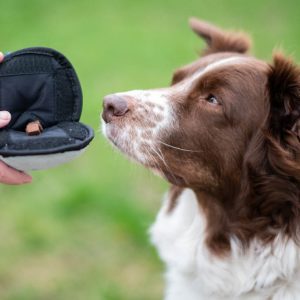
[{"x": 40, "y": 86}]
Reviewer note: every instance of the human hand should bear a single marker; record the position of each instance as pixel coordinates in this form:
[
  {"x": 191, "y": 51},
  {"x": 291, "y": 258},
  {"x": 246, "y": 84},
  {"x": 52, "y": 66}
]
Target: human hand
[{"x": 9, "y": 175}]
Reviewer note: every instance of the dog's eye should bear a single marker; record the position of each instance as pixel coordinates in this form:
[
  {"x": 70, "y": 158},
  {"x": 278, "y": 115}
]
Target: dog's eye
[{"x": 212, "y": 100}]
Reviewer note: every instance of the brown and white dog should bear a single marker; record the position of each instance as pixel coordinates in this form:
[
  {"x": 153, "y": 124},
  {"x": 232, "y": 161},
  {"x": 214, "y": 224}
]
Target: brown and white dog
[{"x": 225, "y": 134}]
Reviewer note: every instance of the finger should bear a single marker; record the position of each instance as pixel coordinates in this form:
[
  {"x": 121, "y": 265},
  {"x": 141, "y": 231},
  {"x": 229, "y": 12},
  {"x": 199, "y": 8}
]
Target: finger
[
  {"x": 11, "y": 176},
  {"x": 1, "y": 56},
  {"x": 5, "y": 118}
]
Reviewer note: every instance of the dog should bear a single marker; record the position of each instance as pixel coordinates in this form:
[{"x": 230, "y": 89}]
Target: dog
[{"x": 226, "y": 135}]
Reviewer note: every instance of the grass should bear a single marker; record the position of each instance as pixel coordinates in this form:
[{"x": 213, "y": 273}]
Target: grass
[{"x": 80, "y": 230}]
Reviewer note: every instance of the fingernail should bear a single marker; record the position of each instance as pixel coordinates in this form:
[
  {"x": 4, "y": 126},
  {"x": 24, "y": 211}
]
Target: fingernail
[{"x": 5, "y": 115}]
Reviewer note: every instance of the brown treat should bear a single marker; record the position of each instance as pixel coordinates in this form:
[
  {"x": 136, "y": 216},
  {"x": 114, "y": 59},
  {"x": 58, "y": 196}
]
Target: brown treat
[{"x": 34, "y": 128}]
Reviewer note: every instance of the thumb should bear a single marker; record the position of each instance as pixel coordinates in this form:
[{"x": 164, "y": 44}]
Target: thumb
[{"x": 5, "y": 118}]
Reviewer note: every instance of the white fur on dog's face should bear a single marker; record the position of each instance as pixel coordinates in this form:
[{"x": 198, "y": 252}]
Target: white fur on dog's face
[{"x": 137, "y": 133}]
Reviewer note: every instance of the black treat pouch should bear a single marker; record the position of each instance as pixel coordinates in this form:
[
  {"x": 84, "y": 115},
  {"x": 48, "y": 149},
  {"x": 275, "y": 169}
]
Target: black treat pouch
[{"x": 40, "y": 84}]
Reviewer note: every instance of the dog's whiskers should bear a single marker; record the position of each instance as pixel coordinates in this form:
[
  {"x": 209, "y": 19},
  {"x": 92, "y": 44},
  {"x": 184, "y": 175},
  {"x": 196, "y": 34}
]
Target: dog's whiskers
[
  {"x": 177, "y": 148},
  {"x": 152, "y": 158},
  {"x": 161, "y": 157}
]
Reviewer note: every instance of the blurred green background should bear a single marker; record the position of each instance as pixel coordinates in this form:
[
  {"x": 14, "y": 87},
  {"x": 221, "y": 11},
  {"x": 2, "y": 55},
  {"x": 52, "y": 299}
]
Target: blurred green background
[{"x": 80, "y": 231}]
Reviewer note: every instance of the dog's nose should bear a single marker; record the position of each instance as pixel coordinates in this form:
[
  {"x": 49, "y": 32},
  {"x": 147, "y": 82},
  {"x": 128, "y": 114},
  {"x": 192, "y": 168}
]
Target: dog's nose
[{"x": 114, "y": 106}]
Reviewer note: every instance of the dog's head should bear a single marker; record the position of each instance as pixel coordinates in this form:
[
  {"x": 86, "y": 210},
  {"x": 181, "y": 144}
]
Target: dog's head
[{"x": 208, "y": 125}]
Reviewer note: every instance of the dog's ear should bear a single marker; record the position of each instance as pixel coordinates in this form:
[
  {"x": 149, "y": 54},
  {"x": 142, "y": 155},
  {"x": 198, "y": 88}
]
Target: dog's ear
[
  {"x": 218, "y": 40},
  {"x": 284, "y": 91}
]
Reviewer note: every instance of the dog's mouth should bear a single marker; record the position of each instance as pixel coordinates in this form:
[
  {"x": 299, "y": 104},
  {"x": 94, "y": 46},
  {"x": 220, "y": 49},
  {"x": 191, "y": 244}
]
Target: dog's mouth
[
  {"x": 128, "y": 144},
  {"x": 157, "y": 166}
]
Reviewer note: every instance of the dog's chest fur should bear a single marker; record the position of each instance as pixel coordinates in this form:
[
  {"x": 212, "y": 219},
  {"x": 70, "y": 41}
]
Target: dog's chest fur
[{"x": 194, "y": 273}]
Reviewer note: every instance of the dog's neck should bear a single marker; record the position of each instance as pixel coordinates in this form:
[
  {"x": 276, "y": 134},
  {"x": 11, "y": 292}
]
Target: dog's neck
[{"x": 255, "y": 206}]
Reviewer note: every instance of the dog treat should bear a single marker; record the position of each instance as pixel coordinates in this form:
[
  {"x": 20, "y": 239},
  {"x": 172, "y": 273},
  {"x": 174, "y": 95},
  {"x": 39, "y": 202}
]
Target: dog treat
[{"x": 34, "y": 128}]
